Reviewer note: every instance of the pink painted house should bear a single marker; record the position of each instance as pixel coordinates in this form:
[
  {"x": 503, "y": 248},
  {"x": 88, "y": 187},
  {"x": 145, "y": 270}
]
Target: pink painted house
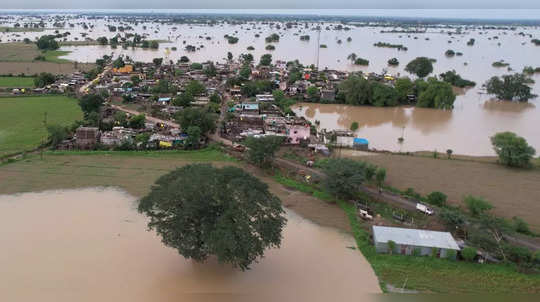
[{"x": 298, "y": 132}]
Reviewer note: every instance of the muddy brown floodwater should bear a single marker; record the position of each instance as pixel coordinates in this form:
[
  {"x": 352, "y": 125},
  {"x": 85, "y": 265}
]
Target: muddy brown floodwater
[{"x": 92, "y": 245}]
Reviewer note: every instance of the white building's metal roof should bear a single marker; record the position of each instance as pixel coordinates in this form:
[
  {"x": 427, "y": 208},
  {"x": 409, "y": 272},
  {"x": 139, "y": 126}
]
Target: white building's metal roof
[{"x": 414, "y": 237}]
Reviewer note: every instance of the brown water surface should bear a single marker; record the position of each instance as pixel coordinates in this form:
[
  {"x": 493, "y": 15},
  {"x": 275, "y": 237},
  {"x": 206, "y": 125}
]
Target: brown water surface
[{"x": 92, "y": 245}]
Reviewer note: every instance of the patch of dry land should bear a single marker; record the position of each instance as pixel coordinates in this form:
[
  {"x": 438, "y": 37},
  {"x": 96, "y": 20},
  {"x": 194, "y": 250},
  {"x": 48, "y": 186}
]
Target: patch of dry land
[
  {"x": 513, "y": 192},
  {"x": 17, "y": 58},
  {"x": 135, "y": 172}
]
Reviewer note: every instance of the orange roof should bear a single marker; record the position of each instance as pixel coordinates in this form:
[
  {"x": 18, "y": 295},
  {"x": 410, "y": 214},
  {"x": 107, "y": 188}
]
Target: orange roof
[{"x": 125, "y": 69}]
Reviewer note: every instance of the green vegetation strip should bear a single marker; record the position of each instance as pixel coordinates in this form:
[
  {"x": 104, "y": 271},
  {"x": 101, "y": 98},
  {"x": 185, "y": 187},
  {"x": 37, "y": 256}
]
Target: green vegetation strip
[
  {"x": 208, "y": 154},
  {"x": 53, "y": 56},
  {"x": 17, "y": 82},
  {"x": 428, "y": 274}
]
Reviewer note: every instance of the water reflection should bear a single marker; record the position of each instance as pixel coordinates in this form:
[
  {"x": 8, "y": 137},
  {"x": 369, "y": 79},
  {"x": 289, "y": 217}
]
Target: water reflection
[{"x": 507, "y": 107}]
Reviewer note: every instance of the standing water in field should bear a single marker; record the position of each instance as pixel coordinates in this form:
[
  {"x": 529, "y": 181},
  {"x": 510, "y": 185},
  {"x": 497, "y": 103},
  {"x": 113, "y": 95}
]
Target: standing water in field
[{"x": 92, "y": 245}]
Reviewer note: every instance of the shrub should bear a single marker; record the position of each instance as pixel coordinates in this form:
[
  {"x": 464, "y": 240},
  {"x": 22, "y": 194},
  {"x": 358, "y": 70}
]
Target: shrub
[
  {"x": 391, "y": 246},
  {"x": 416, "y": 252},
  {"x": 468, "y": 253},
  {"x": 451, "y": 254},
  {"x": 437, "y": 198},
  {"x": 477, "y": 206},
  {"x": 354, "y": 126}
]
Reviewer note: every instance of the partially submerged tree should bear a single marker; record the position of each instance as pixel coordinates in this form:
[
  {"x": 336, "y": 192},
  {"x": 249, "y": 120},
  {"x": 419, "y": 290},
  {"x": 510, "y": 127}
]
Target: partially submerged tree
[
  {"x": 202, "y": 211},
  {"x": 420, "y": 66},
  {"x": 513, "y": 150},
  {"x": 510, "y": 87}
]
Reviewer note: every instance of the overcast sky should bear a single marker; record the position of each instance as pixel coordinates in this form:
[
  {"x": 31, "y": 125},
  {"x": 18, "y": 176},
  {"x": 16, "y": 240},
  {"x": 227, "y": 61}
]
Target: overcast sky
[{"x": 255, "y": 4}]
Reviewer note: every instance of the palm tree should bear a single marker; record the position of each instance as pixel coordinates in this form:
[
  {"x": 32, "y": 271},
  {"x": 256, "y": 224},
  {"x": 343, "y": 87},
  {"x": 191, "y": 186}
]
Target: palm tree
[{"x": 352, "y": 57}]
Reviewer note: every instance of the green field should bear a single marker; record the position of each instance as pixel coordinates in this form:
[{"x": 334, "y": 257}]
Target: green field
[
  {"x": 21, "y": 120},
  {"x": 17, "y": 82}
]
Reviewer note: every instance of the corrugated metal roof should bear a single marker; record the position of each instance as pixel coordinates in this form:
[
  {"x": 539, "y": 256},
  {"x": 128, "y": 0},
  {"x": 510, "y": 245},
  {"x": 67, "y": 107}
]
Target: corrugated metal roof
[{"x": 415, "y": 237}]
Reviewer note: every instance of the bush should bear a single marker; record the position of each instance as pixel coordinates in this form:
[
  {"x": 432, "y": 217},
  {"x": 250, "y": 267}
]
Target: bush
[
  {"x": 477, "y": 206},
  {"x": 521, "y": 226},
  {"x": 468, "y": 253},
  {"x": 436, "y": 198},
  {"x": 416, "y": 252},
  {"x": 391, "y": 246},
  {"x": 361, "y": 61}
]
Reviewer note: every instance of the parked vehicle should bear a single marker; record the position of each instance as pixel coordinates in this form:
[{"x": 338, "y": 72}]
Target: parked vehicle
[
  {"x": 365, "y": 215},
  {"x": 424, "y": 209}
]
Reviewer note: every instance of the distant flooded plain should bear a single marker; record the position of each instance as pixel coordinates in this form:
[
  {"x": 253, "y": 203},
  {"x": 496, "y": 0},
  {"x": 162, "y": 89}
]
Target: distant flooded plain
[{"x": 92, "y": 245}]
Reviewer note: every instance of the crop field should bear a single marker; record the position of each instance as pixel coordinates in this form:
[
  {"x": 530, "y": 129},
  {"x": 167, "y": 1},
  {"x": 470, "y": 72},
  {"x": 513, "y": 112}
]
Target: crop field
[
  {"x": 513, "y": 192},
  {"x": 17, "y": 82},
  {"x": 21, "y": 120}
]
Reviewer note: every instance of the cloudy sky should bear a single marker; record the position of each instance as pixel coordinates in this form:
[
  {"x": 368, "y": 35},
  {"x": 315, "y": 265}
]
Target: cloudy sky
[{"x": 256, "y": 4}]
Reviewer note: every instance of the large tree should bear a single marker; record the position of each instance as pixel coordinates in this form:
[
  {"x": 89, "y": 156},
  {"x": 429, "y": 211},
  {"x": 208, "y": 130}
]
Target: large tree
[
  {"x": 201, "y": 211},
  {"x": 197, "y": 117},
  {"x": 510, "y": 87},
  {"x": 344, "y": 176},
  {"x": 420, "y": 66},
  {"x": 513, "y": 150},
  {"x": 90, "y": 103},
  {"x": 261, "y": 150},
  {"x": 355, "y": 91}
]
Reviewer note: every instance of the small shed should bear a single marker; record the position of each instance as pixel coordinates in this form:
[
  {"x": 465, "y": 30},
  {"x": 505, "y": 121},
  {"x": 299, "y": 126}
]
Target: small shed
[
  {"x": 361, "y": 143},
  {"x": 408, "y": 240}
]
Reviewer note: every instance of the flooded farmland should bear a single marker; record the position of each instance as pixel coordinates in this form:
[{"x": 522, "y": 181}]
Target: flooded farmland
[{"x": 92, "y": 245}]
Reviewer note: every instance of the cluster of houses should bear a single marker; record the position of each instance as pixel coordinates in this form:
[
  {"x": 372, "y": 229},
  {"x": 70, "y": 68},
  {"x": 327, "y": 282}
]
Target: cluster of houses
[
  {"x": 63, "y": 84},
  {"x": 243, "y": 115}
]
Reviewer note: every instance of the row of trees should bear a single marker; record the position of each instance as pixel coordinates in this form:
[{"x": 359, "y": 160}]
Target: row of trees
[{"x": 431, "y": 93}]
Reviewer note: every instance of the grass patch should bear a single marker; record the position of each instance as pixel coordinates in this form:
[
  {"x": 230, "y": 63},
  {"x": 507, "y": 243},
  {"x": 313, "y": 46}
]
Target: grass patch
[
  {"x": 53, "y": 56},
  {"x": 208, "y": 154},
  {"x": 17, "y": 82},
  {"x": 302, "y": 187},
  {"x": 428, "y": 274},
  {"x": 21, "y": 120}
]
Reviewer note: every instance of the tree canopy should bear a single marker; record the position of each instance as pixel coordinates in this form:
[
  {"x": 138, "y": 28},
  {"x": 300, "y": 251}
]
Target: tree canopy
[
  {"x": 261, "y": 150},
  {"x": 201, "y": 210},
  {"x": 47, "y": 42},
  {"x": 44, "y": 79},
  {"x": 510, "y": 87},
  {"x": 436, "y": 94},
  {"x": 420, "y": 66},
  {"x": 197, "y": 117},
  {"x": 90, "y": 103},
  {"x": 513, "y": 150},
  {"x": 344, "y": 176}
]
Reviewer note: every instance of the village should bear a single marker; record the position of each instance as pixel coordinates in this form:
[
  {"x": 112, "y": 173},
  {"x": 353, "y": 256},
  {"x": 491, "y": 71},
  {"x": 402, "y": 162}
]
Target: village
[{"x": 158, "y": 91}]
